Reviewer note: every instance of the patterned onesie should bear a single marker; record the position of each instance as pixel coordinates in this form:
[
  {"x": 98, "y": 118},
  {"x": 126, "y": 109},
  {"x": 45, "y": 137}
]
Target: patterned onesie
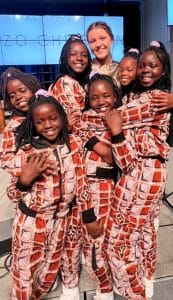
[
  {"x": 40, "y": 224},
  {"x": 130, "y": 240},
  {"x": 71, "y": 95},
  {"x": 101, "y": 179}
]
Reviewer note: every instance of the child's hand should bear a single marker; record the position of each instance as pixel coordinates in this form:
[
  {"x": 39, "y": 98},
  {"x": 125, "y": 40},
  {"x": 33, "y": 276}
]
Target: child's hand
[
  {"x": 104, "y": 151},
  {"x": 34, "y": 167},
  {"x": 95, "y": 229},
  {"x": 51, "y": 167},
  {"x": 114, "y": 122},
  {"x": 162, "y": 101},
  {"x": 72, "y": 118}
]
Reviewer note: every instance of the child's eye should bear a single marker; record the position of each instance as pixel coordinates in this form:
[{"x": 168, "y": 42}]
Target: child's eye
[
  {"x": 53, "y": 118},
  {"x": 72, "y": 54},
  {"x": 39, "y": 122},
  {"x": 153, "y": 66},
  {"x": 11, "y": 96},
  {"x": 93, "y": 98},
  {"x": 23, "y": 90}
]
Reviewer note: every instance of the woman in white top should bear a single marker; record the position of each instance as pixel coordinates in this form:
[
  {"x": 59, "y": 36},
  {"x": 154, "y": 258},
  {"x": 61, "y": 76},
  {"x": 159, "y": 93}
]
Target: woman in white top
[{"x": 100, "y": 38}]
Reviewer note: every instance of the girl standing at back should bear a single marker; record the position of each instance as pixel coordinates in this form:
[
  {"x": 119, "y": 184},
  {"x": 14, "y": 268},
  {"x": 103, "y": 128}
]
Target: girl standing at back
[
  {"x": 69, "y": 91},
  {"x": 17, "y": 88},
  {"x": 141, "y": 153},
  {"x": 100, "y": 38},
  {"x": 127, "y": 74},
  {"x": 74, "y": 69}
]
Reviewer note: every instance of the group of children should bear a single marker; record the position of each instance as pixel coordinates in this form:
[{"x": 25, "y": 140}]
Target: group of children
[{"x": 87, "y": 164}]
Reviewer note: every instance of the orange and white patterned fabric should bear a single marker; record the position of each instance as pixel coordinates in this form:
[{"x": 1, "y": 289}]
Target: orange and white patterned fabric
[
  {"x": 44, "y": 235},
  {"x": 102, "y": 194},
  {"x": 8, "y": 147},
  {"x": 130, "y": 239},
  {"x": 70, "y": 94}
]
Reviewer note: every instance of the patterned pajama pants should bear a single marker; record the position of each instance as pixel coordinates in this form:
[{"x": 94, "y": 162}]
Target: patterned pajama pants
[
  {"x": 37, "y": 248},
  {"x": 102, "y": 192},
  {"x": 70, "y": 265},
  {"x": 130, "y": 239}
]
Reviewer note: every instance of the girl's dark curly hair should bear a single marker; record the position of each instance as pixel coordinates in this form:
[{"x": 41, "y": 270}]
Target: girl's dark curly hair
[
  {"x": 116, "y": 90},
  {"x": 26, "y": 132},
  {"x": 30, "y": 81},
  {"x": 64, "y": 68}
]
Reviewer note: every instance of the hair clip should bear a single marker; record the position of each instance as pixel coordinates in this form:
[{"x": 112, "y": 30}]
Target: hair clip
[
  {"x": 133, "y": 50},
  {"x": 74, "y": 37},
  {"x": 93, "y": 72},
  {"x": 155, "y": 44},
  {"x": 9, "y": 75},
  {"x": 42, "y": 92}
]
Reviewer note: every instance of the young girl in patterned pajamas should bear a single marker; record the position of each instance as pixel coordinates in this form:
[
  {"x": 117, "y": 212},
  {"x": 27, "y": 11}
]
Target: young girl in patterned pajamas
[
  {"x": 17, "y": 88},
  {"x": 101, "y": 178},
  {"x": 43, "y": 201},
  {"x": 69, "y": 90},
  {"x": 141, "y": 152}
]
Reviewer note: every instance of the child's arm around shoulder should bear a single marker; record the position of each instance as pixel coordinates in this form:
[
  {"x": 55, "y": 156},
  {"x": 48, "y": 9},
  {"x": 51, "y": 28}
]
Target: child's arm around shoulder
[{"x": 138, "y": 110}]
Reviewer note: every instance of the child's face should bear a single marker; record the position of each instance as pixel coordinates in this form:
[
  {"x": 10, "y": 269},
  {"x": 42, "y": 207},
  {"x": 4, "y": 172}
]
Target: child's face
[
  {"x": 100, "y": 42},
  {"x": 150, "y": 69},
  {"x": 101, "y": 96},
  {"x": 78, "y": 57},
  {"x": 127, "y": 70},
  {"x": 47, "y": 121},
  {"x": 19, "y": 95}
]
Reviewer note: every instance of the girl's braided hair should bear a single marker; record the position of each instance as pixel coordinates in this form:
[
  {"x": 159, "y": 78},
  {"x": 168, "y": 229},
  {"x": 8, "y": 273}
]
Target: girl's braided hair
[
  {"x": 115, "y": 88},
  {"x": 30, "y": 81},
  {"x": 26, "y": 132},
  {"x": 64, "y": 68}
]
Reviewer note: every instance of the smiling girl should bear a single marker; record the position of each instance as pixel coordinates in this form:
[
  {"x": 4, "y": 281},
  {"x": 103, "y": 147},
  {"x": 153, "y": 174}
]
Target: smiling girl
[
  {"x": 141, "y": 152},
  {"x": 43, "y": 201},
  {"x": 17, "y": 88},
  {"x": 101, "y": 177},
  {"x": 69, "y": 91}
]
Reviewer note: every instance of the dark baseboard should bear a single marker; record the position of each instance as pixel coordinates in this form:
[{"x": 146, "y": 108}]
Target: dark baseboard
[{"x": 5, "y": 246}]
